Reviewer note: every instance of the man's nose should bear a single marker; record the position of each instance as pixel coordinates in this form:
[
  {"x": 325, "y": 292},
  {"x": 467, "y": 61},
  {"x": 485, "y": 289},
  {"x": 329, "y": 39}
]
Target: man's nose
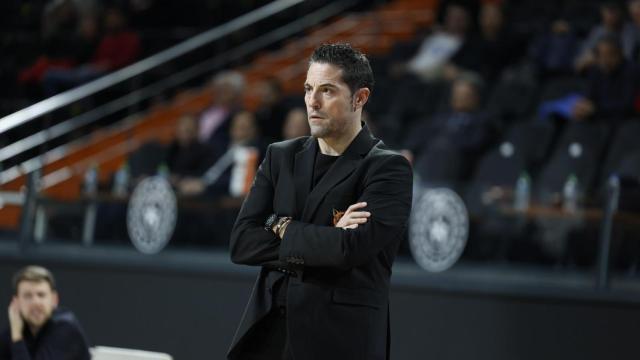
[
  {"x": 314, "y": 101},
  {"x": 37, "y": 301}
]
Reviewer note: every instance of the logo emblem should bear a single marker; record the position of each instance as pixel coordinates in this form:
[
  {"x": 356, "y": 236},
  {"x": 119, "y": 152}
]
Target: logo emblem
[
  {"x": 438, "y": 230},
  {"x": 151, "y": 215}
]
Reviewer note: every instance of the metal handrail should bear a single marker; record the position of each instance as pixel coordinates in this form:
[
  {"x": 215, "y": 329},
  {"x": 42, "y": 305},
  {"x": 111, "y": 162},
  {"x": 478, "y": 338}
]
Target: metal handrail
[
  {"x": 68, "y": 97},
  {"x": 151, "y": 90}
]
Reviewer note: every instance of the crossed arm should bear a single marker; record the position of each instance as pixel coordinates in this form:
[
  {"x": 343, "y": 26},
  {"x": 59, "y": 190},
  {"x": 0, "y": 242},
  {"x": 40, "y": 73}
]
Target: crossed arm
[{"x": 357, "y": 237}]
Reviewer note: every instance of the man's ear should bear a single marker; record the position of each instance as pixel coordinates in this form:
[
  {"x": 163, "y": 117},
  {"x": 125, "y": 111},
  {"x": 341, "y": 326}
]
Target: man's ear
[
  {"x": 56, "y": 299},
  {"x": 360, "y": 98}
]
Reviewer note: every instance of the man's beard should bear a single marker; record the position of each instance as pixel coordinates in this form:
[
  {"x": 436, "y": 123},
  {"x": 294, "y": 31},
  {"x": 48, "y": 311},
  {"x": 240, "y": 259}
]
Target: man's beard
[
  {"x": 320, "y": 131},
  {"x": 37, "y": 320}
]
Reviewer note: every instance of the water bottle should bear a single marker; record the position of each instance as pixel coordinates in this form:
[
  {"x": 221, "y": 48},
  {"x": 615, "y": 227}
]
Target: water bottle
[
  {"x": 121, "y": 181},
  {"x": 163, "y": 171},
  {"x": 570, "y": 194},
  {"x": 522, "y": 192},
  {"x": 90, "y": 185}
]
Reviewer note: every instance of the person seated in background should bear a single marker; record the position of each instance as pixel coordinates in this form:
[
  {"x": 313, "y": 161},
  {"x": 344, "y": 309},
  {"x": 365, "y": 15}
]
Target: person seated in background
[
  {"x": 223, "y": 185},
  {"x": 611, "y": 25},
  {"x": 213, "y": 124},
  {"x": 186, "y": 157},
  {"x": 119, "y": 47},
  {"x": 38, "y": 329},
  {"x": 295, "y": 124},
  {"x": 440, "y": 47},
  {"x": 613, "y": 85},
  {"x": 443, "y": 149},
  {"x": 272, "y": 109},
  {"x": 243, "y": 133},
  {"x": 631, "y": 33},
  {"x": 489, "y": 51},
  {"x": 63, "y": 53},
  {"x": 553, "y": 51}
]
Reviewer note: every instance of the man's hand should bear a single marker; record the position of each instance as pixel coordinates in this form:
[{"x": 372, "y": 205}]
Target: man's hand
[
  {"x": 352, "y": 218},
  {"x": 583, "y": 109},
  {"x": 15, "y": 321},
  {"x": 191, "y": 186}
]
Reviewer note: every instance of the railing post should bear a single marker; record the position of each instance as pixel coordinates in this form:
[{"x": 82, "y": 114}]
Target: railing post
[
  {"x": 613, "y": 195},
  {"x": 29, "y": 209}
]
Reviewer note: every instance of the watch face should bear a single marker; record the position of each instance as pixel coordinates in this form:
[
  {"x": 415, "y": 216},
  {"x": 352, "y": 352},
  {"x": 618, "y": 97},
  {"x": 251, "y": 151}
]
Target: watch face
[{"x": 270, "y": 221}]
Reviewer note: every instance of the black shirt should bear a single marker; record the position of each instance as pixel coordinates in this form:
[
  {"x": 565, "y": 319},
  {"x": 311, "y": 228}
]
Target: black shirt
[
  {"x": 322, "y": 164},
  {"x": 61, "y": 338}
]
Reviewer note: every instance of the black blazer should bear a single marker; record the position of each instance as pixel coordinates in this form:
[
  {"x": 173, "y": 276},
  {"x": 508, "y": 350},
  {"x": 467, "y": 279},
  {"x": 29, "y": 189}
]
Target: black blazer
[{"x": 337, "y": 305}]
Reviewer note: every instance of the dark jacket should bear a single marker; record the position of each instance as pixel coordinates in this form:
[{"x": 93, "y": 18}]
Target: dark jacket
[
  {"x": 61, "y": 338},
  {"x": 614, "y": 93},
  {"x": 337, "y": 304}
]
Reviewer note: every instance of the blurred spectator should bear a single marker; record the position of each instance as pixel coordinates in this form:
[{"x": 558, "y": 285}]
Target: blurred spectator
[
  {"x": 631, "y": 32},
  {"x": 444, "y": 148},
  {"x": 38, "y": 328},
  {"x": 611, "y": 25},
  {"x": 441, "y": 46},
  {"x": 272, "y": 109},
  {"x": 553, "y": 51},
  {"x": 59, "y": 16},
  {"x": 243, "y": 132},
  {"x": 118, "y": 47},
  {"x": 228, "y": 87},
  {"x": 186, "y": 157},
  {"x": 62, "y": 15},
  {"x": 613, "y": 84},
  {"x": 68, "y": 52},
  {"x": 491, "y": 50},
  {"x": 296, "y": 124}
]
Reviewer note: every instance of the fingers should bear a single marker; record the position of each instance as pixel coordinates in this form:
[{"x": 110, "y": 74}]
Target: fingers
[
  {"x": 355, "y": 206},
  {"x": 352, "y": 218},
  {"x": 360, "y": 214},
  {"x": 357, "y": 217}
]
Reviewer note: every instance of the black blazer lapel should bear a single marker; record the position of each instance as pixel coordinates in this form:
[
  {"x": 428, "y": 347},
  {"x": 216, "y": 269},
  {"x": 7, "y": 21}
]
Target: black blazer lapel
[
  {"x": 303, "y": 172},
  {"x": 342, "y": 168}
]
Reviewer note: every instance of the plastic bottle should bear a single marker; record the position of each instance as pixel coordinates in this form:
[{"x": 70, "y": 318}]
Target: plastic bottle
[
  {"x": 570, "y": 194},
  {"x": 90, "y": 184},
  {"x": 522, "y": 192},
  {"x": 121, "y": 181},
  {"x": 163, "y": 171}
]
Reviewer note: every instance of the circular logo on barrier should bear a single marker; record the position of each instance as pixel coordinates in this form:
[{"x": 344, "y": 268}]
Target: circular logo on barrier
[
  {"x": 439, "y": 229},
  {"x": 151, "y": 215}
]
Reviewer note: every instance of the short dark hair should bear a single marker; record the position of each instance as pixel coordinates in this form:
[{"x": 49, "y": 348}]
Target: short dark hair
[
  {"x": 356, "y": 71},
  {"x": 33, "y": 273}
]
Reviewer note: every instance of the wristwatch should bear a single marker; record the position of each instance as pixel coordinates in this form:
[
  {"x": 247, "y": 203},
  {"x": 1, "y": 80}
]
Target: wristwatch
[{"x": 271, "y": 220}]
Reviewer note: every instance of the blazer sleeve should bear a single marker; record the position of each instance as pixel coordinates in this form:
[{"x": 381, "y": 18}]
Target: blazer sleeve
[
  {"x": 250, "y": 243},
  {"x": 388, "y": 192}
]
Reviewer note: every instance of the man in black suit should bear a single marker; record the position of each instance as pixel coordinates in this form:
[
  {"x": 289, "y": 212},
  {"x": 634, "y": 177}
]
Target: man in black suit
[{"x": 324, "y": 219}]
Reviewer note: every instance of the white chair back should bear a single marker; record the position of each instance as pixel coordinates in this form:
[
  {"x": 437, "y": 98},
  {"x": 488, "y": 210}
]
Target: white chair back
[{"x": 112, "y": 353}]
